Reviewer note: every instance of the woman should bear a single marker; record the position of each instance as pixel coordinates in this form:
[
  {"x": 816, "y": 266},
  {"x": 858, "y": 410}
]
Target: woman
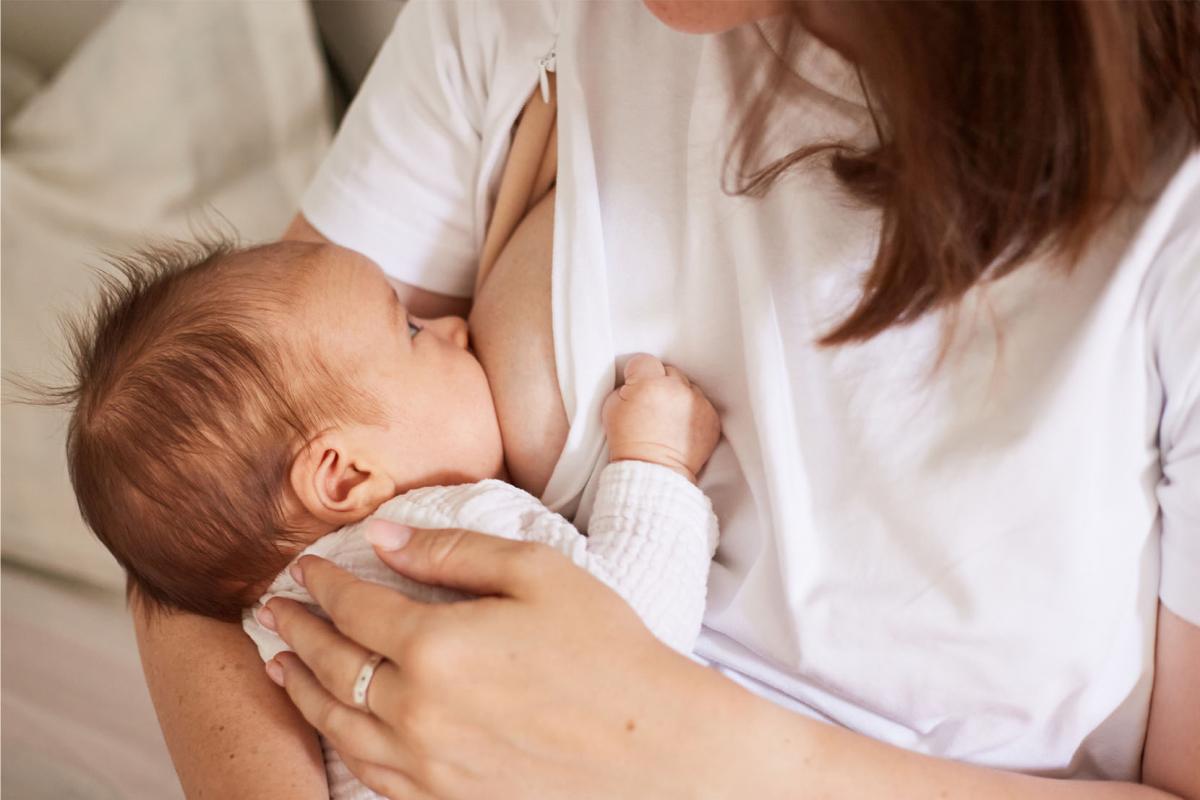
[{"x": 955, "y": 356}]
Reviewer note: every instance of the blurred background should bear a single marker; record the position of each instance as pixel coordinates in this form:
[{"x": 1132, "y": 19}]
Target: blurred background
[{"x": 122, "y": 121}]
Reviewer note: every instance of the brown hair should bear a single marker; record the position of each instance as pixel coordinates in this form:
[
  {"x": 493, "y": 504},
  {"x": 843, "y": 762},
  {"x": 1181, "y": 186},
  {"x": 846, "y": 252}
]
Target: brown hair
[
  {"x": 186, "y": 421},
  {"x": 1006, "y": 130}
]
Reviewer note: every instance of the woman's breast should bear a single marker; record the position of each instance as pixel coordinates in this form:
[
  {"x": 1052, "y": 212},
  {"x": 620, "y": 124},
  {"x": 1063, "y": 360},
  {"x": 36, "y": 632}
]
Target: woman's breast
[{"x": 512, "y": 336}]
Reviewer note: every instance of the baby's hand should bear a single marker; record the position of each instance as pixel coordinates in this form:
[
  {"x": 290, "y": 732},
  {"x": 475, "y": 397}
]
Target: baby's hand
[{"x": 660, "y": 417}]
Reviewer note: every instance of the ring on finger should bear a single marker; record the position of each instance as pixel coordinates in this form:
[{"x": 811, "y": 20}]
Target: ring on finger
[{"x": 362, "y": 683}]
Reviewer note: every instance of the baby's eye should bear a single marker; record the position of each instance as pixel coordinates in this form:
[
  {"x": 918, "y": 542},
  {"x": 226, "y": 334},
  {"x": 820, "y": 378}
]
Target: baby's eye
[{"x": 413, "y": 330}]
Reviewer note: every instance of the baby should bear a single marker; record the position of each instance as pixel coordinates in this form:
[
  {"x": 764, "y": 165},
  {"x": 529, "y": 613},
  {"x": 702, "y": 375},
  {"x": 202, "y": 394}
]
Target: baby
[{"x": 236, "y": 408}]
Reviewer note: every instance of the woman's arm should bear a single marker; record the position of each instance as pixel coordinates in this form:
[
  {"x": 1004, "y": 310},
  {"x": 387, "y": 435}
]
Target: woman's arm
[
  {"x": 230, "y": 731},
  {"x": 421, "y": 302},
  {"x": 1172, "y": 757},
  {"x": 561, "y": 692},
  {"x": 844, "y": 764}
]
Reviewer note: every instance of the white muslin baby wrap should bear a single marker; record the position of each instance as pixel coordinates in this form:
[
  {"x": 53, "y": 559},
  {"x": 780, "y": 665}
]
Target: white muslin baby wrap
[{"x": 651, "y": 536}]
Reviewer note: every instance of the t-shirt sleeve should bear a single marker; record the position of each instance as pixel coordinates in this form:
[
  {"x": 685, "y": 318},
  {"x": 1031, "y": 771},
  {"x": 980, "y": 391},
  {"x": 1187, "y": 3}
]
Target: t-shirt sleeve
[
  {"x": 397, "y": 184},
  {"x": 1176, "y": 341}
]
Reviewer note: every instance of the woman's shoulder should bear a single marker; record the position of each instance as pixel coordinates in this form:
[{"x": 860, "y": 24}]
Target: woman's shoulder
[
  {"x": 1175, "y": 214},
  {"x": 1167, "y": 245}
]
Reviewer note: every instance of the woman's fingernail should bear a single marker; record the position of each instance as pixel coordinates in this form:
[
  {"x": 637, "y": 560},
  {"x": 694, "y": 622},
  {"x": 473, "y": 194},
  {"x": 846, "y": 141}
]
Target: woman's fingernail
[
  {"x": 275, "y": 672},
  {"x": 266, "y": 618},
  {"x": 388, "y": 535},
  {"x": 297, "y": 574}
]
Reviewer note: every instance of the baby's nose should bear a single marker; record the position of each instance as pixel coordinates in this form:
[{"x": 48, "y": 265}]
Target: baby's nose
[{"x": 453, "y": 329}]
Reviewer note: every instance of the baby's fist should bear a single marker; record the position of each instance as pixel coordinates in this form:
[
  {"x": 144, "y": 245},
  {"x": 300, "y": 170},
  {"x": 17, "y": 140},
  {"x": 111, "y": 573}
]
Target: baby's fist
[{"x": 660, "y": 417}]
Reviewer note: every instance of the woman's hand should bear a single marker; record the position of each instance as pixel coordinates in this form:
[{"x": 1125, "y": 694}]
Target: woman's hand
[{"x": 547, "y": 686}]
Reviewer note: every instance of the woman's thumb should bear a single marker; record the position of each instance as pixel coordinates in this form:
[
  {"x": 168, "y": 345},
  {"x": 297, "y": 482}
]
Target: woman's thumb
[
  {"x": 387, "y": 536},
  {"x": 458, "y": 559}
]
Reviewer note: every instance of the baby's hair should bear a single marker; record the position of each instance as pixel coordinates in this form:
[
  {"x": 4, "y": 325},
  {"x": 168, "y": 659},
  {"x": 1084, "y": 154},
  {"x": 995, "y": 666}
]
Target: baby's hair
[{"x": 186, "y": 416}]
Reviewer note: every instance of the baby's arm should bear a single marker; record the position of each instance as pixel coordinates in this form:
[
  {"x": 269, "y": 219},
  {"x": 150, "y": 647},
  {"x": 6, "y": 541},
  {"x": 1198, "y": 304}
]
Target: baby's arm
[
  {"x": 653, "y": 532},
  {"x": 651, "y": 538}
]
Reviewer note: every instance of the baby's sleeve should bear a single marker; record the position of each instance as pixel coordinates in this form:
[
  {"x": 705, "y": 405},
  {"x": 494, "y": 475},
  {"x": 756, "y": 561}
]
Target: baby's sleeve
[
  {"x": 651, "y": 538},
  {"x": 397, "y": 184}
]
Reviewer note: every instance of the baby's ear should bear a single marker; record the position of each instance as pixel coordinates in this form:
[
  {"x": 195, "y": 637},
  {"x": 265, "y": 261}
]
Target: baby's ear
[{"x": 334, "y": 485}]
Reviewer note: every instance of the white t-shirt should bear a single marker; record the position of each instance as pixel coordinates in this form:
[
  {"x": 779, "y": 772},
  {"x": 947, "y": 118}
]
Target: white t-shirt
[{"x": 964, "y": 562}]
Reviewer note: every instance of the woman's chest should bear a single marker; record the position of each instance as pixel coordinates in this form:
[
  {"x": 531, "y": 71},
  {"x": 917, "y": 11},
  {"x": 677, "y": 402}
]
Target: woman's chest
[{"x": 511, "y": 328}]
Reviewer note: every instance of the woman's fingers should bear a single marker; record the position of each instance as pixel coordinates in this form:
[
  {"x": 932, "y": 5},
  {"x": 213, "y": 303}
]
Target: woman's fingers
[
  {"x": 333, "y": 658},
  {"x": 385, "y": 780},
  {"x": 375, "y": 616},
  {"x": 471, "y": 562},
  {"x": 352, "y": 732}
]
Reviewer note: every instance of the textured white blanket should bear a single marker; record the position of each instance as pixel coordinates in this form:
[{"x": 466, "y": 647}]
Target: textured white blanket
[{"x": 651, "y": 537}]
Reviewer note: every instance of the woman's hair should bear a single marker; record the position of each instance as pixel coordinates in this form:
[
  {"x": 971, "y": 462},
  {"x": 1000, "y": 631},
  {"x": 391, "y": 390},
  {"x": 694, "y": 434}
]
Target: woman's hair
[
  {"x": 1006, "y": 130},
  {"x": 187, "y": 414}
]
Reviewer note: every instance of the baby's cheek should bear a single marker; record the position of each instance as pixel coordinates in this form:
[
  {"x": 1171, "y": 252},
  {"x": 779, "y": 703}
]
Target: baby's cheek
[{"x": 479, "y": 429}]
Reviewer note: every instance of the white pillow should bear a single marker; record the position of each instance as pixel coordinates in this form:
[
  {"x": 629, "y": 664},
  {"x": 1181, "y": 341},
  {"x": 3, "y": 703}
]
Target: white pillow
[{"x": 166, "y": 110}]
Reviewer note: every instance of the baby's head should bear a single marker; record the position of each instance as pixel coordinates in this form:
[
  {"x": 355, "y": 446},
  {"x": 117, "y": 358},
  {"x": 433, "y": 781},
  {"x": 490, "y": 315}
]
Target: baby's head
[{"x": 233, "y": 405}]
